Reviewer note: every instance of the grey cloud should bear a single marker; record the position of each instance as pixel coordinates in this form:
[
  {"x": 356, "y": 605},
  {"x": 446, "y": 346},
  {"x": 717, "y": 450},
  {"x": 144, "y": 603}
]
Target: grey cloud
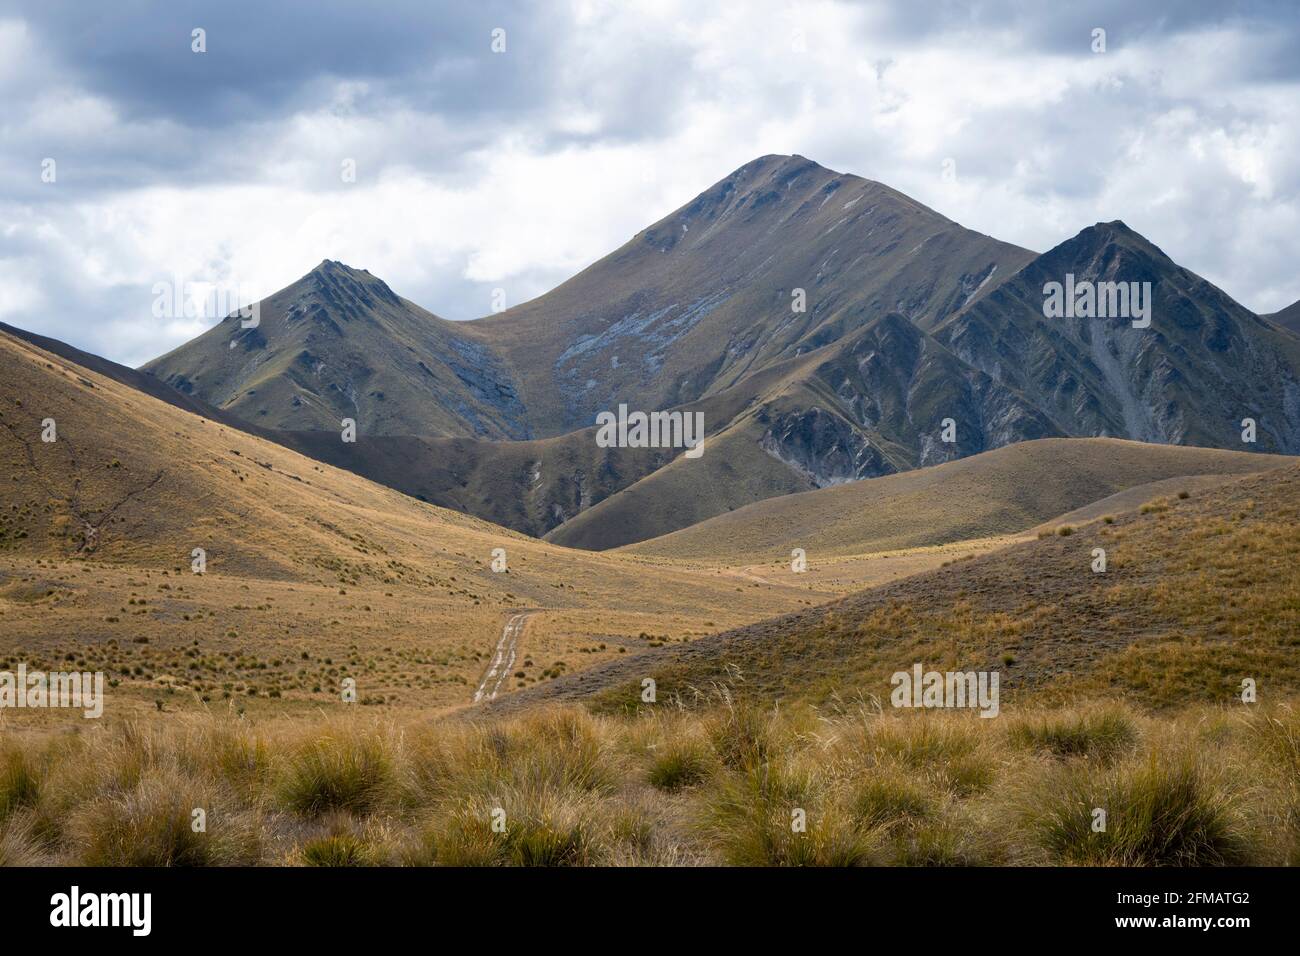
[
  {"x": 189, "y": 118},
  {"x": 263, "y": 59},
  {"x": 424, "y": 93}
]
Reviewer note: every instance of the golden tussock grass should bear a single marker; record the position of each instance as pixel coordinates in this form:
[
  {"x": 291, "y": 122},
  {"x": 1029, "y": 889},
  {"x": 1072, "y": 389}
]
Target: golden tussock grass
[{"x": 725, "y": 784}]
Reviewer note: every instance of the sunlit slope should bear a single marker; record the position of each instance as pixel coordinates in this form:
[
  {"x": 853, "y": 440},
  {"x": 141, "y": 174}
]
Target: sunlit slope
[
  {"x": 1198, "y": 594},
  {"x": 1131, "y": 499},
  {"x": 998, "y": 492},
  {"x": 99, "y": 529}
]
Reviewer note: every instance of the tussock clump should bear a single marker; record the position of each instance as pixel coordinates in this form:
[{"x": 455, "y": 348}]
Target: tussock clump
[
  {"x": 540, "y": 829},
  {"x": 1275, "y": 736},
  {"x": 681, "y": 763},
  {"x": 230, "y": 751},
  {"x": 741, "y": 736},
  {"x": 152, "y": 825},
  {"x": 20, "y": 781},
  {"x": 17, "y": 845},
  {"x": 889, "y": 800},
  {"x": 1102, "y": 733},
  {"x": 947, "y": 841},
  {"x": 562, "y": 749},
  {"x": 751, "y": 818},
  {"x": 953, "y": 752},
  {"x": 343, "y": 770},
  {"x": 341, "y": 849},
  {"x": 432, "y": 760},
  {"x": 639, "y": 834},
  {"x": 1160, "y": 811}
]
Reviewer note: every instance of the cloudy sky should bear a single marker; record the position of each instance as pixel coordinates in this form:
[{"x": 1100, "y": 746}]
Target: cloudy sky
[{"x": 477, "y": 169}]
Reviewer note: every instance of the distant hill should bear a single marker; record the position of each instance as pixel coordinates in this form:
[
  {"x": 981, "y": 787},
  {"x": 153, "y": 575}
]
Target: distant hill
[
  {"x": 1204, "y": 364},
  {"x": 998, "y": 492},
  {"x": 831, "y": 329},
  {"x": 706, "y": 296}
]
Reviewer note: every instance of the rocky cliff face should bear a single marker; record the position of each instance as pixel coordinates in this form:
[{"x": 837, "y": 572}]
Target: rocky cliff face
[
  {"x": 823, "y": 447},
  {"x": 1202, "y": 366}
]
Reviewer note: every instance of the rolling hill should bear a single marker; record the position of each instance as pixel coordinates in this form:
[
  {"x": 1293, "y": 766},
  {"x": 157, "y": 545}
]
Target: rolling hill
[
  {"x": 998, "y": 492},
  {"x": 1198, "y": 594},
  {"x": 310, "y": 574}
]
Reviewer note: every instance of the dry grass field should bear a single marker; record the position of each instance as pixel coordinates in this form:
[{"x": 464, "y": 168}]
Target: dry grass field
[
  {"x": 1201, "y": 590},
  {"x": 717, "y": 784}
]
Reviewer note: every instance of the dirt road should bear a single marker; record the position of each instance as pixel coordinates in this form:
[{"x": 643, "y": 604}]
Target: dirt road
[{"x": 503, "y": 659}]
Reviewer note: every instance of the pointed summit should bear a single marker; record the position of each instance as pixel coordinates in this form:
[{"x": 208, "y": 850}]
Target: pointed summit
[
  {"x": 340, "y": 344},
  {"x": 335, "y": 290}
]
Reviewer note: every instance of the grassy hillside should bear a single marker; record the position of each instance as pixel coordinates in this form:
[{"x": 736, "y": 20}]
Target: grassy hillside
[
  {"x": 732, "y": 472},
  {"x": 999, "y": 492},
  {"x": 1199, "y": 593},
  {"x": 312, "y": 574},
  {"x": 1131, "y": 499}
]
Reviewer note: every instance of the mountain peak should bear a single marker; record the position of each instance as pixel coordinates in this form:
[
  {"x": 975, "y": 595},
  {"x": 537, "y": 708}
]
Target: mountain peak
[
  {"x": 334, "y": 267},
  {"x": 1115, "y": 233},
  {"x": 332, "y": 277},
  {"x": 778, "y": 160},
  {"x": 1116, "y": 227}
]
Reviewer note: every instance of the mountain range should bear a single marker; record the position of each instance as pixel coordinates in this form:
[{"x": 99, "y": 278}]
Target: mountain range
[{"x": 829, "y": 329}]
